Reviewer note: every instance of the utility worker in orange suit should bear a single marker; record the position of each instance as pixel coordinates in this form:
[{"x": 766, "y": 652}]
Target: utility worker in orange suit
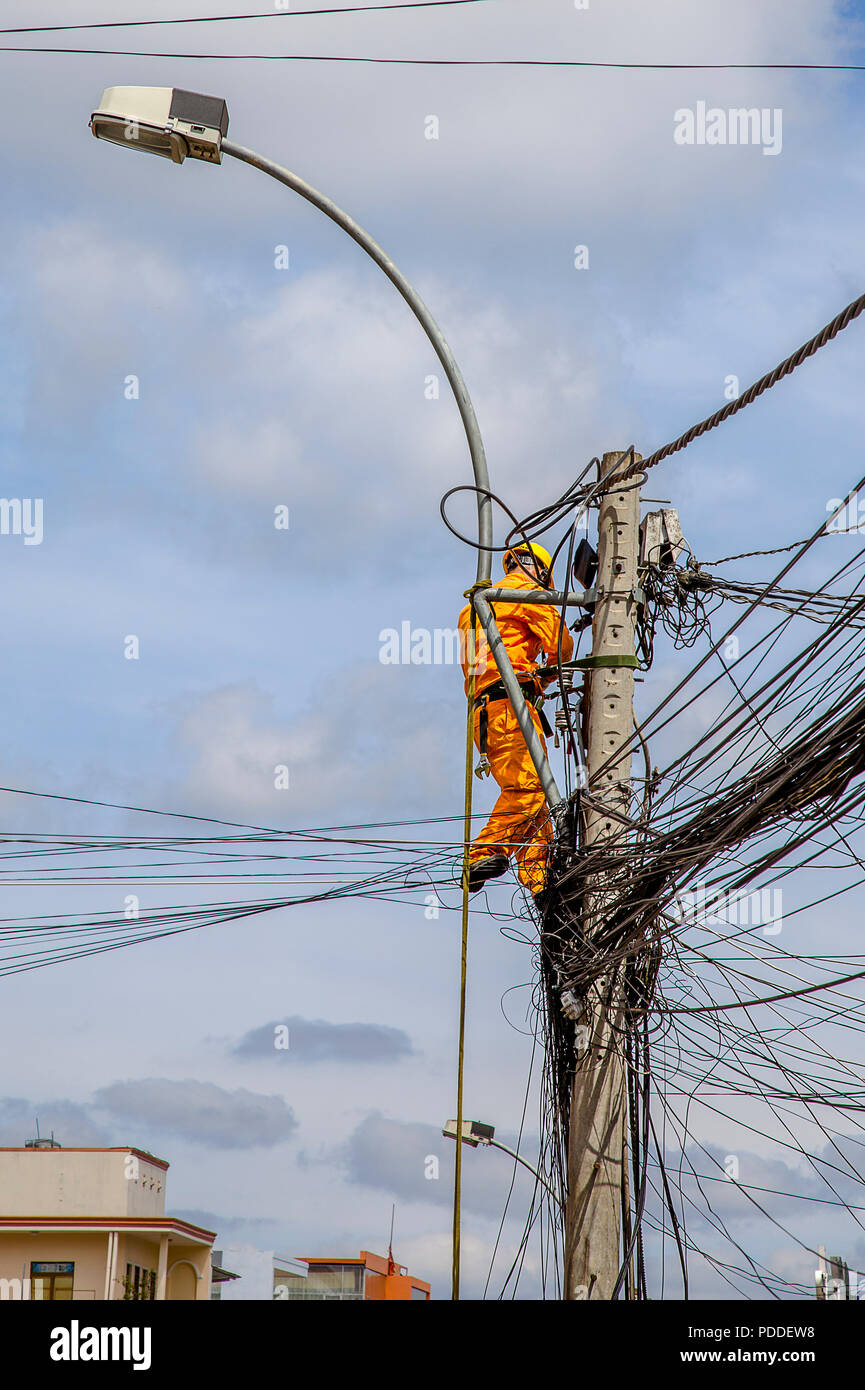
[{"x": 520, "y": 823}]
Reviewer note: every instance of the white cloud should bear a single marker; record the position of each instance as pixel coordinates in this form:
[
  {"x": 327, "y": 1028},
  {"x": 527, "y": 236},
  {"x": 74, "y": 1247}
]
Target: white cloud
[
  {"x": 335, "y": 753},
  {"x": 200, "y": 1111},
  {"x": 328, "y": 402}
]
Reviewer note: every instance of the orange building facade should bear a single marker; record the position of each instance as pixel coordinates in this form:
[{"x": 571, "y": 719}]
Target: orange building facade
[{"x": 367, "y": 1277}]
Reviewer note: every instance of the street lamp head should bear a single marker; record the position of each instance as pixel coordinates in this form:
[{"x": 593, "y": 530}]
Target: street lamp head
[
  {"x": 474, "y": 1132},
  {"x": 162, "y": 120}
]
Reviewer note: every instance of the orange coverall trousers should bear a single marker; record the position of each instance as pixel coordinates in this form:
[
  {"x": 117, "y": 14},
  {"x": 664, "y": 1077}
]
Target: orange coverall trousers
[{"x": 519, "y": 824}]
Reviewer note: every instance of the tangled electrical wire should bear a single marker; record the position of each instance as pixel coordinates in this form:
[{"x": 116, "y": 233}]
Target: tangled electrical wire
[
  {"x": 682, "y": 600},
  {"x": 770, "y": 791}
]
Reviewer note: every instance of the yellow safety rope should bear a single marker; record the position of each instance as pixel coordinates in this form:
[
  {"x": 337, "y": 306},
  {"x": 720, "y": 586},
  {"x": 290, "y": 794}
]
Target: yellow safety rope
[{"x": 467, "y": 834}]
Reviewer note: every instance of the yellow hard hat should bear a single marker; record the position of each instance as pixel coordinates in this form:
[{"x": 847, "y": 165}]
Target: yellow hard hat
[{"x": 543, "y": 556}]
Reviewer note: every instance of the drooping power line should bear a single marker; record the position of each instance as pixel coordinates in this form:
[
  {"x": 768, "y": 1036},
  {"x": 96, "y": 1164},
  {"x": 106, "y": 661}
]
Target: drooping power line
[{"x": 450, "y": 62}]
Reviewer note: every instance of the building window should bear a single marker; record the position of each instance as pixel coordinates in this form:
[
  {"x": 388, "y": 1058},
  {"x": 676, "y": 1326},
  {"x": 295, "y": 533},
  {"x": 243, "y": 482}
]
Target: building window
[
  {"x": 325, "y": 1282},
  {"x": 139, "y": 1284},
  {"x": 51, "y": 1280}
]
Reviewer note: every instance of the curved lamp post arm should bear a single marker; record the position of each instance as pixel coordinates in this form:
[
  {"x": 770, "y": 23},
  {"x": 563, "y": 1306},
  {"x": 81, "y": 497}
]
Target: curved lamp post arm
[
  {"x": 424, "y": 317},
  {"x": 470, "y": 424},
  {"x": 483, "y": 1136},
  {"x": 495, "y": 1144}
]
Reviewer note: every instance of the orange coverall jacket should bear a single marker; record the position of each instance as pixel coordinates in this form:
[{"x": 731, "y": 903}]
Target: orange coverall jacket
[{"x": 519, "y": 823}]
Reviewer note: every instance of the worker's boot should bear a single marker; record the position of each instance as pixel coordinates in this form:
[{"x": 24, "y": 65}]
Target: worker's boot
[{"x": 481, "y": 869}]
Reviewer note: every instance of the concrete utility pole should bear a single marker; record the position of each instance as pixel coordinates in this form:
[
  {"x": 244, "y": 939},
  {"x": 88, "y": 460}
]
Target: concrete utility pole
[
  {"x": 832, "y": 1278},
  {"x": 596, "y": 1144}
]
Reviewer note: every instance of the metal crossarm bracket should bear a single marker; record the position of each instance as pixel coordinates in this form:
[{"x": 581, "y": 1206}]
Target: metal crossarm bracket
[{"x": 576, "y": 598}]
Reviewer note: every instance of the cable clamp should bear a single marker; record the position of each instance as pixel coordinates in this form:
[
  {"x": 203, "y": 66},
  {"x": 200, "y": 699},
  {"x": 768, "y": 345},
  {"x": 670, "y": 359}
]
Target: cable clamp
[{"x": 573, "y": 1004}]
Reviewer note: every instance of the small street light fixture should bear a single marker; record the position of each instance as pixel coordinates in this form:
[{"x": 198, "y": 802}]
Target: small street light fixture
[{"x": 167, "y": 121}]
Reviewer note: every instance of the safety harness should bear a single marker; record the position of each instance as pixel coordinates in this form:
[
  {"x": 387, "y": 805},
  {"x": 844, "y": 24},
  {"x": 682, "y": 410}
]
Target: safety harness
[{"x": 534, "y": 696}]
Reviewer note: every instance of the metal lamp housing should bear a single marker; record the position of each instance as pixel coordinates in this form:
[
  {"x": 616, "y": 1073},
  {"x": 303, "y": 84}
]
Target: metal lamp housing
[
  {"x": 474, "y": 1132},
  {"x": 167, "y": 121}
]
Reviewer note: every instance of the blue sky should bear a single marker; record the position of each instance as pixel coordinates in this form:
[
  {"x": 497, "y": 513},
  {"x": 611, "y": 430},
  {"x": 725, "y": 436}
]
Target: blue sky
[{"x": 305, "y": 387}]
